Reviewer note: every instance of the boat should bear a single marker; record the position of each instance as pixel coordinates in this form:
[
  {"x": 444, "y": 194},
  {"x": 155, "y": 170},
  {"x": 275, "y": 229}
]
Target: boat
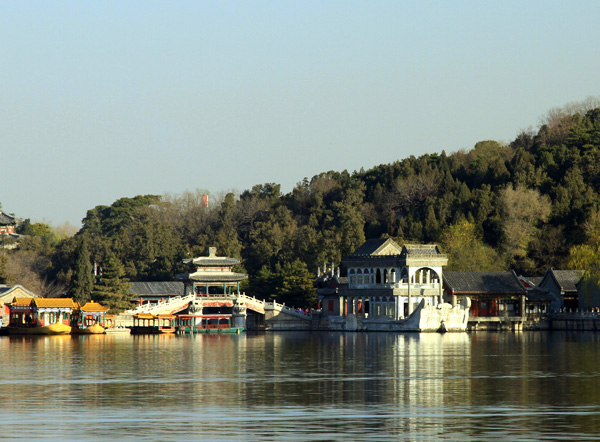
[
  {"x": 190, "y": 324},
  {"x": 111, "y": 327},
  {"x": 40, "y": 316},
  {"x": 149, "y": 324},
  {"x": 94, "y": 329},
  {"x": 51, "y": 329},
  {"x": 88, "y": 319},
  {"x": 117, "y": 330}
]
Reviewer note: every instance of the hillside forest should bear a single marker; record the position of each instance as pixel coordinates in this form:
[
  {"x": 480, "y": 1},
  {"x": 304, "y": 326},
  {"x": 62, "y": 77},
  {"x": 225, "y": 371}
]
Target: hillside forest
[{"x": 527, "y": 205}]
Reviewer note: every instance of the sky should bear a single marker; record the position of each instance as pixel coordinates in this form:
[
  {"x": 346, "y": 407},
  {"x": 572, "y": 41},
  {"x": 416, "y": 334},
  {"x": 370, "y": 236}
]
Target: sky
[{"x": 111, "y": 99}]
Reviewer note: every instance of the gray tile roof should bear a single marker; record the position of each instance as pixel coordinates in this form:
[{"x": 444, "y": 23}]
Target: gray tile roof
[
  {"x": 206, "y": 261},
  {"x": 370, "y": 246},
  {"x": 483, "y": 282},
  {"x": 157, "y": 288},
  {"x": 534, "y": 279},
  {"x": 6, "y": 289},
  {"x": 6, "y": 219},
  {"x": 567, "y": 279},
  {"x": 421, "y": 249},
  {"x": 225, "y": 277}
]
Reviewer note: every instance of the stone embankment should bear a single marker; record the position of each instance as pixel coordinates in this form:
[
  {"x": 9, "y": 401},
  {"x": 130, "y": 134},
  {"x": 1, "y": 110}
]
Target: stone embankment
[{"x": 576, "y": 320}]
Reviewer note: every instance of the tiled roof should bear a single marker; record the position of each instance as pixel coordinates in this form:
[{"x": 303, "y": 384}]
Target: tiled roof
[
  {"x": 54, "y": 302},
  {"x": 212, "y": 277},
  {"x": 534, "y": 279},
  {"x": 567, "y": 279},
  {"x": 538, "y": 294},
  {"x": 144, "y": 316},
  {"x": 483, "y": 282},
  {"x": 371, "y": 246},
  {"x": 6, "y": 289},
  {"x": 218, "y": 261},
  {"x": 6, "y": 219},
  {"x": 157, "y": 288},
  {"x": 21, "y": 302},
  {"x": 93, "y": 307},
  {"x": 421, "y": 249}
]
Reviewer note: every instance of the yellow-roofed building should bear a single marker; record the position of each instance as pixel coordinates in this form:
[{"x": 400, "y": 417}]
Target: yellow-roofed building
[
  {"x": 89, "y": 318},
  {"x": 40, "y": 315}
]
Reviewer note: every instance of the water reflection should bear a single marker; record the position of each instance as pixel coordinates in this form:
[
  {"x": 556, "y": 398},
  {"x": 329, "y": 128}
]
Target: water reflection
[{"x": 301, "y": 386}]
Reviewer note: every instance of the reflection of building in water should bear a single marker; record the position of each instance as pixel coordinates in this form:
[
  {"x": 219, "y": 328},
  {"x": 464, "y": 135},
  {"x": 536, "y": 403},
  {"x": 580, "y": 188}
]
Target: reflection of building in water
[
  {"x": 429, "y": 373},
  {"x": 405, "y": 380}
]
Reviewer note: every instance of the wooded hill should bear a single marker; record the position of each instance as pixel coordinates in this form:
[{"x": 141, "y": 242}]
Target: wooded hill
[{"x": 522, "y": 205}]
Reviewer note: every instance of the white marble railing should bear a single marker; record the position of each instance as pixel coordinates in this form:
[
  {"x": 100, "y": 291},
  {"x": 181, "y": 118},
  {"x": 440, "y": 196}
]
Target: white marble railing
[
  {"x": 395, "y": 285},
  {"x": 257, "y": 305},
  {"x": 290, "y": 310},
  {"x": 170, "y": 304},
  {"x": 253, "y": 303}
]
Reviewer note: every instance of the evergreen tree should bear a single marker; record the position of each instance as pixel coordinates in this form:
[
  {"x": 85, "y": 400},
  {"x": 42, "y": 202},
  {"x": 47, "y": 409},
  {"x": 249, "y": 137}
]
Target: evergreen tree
[
  {"x": 112, "y": 288},
  {"x": 295, "y": 286},
  {"x": 82, "y": 282},
  {"x": 264, "y": 284},
  {"x": 5, "y": 276}
]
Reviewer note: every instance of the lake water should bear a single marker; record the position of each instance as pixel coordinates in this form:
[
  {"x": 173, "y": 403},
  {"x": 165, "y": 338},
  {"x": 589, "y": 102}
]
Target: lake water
[{"x": 531, "y": 386}]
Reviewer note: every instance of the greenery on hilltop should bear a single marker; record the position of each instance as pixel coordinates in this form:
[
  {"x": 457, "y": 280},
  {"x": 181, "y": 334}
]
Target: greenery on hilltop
[{"x": 524, "y": 205}]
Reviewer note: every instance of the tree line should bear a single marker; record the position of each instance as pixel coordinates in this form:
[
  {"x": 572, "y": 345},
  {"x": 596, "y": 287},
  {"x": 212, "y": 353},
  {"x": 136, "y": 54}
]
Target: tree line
[{"x": 526, "y": 205}]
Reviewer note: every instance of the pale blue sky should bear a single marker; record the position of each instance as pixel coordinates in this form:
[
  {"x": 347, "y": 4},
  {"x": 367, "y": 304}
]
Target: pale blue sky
[{"x": 102, "y": 100}]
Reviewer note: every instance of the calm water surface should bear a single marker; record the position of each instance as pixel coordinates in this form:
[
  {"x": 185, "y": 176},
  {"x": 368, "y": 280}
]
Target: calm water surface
[{"x": 302, "y": 387}]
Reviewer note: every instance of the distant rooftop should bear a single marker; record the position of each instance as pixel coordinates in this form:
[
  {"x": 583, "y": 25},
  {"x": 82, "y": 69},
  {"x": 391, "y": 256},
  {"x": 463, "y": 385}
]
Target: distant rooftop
[
  {"x": 157, "y": 288},
  {"x": 6, "y": 219}
]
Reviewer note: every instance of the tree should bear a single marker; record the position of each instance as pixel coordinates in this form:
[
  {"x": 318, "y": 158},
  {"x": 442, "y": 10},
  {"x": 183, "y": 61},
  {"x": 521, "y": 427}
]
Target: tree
[
  {"x": 295, "y": 286},
  {"x": 226, "y": 238},
  {"x": 466, "y": 251},
  {"x": 521, "y": 211},
  {"x": 112, "y": 288},
  {"x": 349, "y": 220},
  {"x": 263, "y": 285},
  {"x": 586, "y": 257},
  {"x": 5, "y": 276},
  {"x": 82, "y": 281}
]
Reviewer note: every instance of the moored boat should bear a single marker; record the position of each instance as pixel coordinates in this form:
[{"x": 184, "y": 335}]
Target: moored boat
[
  {"x": 88, "y": 319},
  {"x": 189, "y": 324},
  {"x": 40, "y": 316},
  {"x": 94, "y": 329},
  {"x": 111, "y": 327},
  {"x": 147, "y": 323},
  {"x": 52, "y": 329}
]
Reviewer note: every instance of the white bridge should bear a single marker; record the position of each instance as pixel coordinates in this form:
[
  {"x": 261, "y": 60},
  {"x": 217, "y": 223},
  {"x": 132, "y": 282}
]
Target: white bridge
[{"x": 177, "y": 304}]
